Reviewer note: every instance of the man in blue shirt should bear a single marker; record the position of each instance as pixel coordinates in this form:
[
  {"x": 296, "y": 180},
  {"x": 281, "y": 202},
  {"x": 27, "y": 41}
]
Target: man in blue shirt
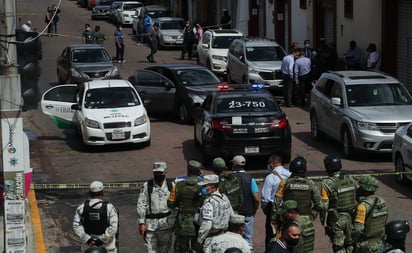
[
  {"x": 353, "y": 56},
  {"x": 119, "y": 43},
  {"x": 303, "y": 77},
  {"x": 147, "y": 26}
]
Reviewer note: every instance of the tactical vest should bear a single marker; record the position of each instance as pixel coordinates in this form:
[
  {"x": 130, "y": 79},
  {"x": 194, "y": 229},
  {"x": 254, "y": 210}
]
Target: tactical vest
[
  {"x": 188, "y": 194},
  {"x": 376, "y": 217},
  {"x": 95, "y": 220},
  {"x": 300, "y": 190},
  {"x": 247, "y": 206},
  {"x": 307, "y": 235},
  {"x": 344, "y": 196},
  {"x": 231, "y": 186}
]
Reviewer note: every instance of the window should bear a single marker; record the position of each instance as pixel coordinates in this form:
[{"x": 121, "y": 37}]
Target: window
[
  {"x": 303, "y": 4},
  {"x": 348, "y": 9}
]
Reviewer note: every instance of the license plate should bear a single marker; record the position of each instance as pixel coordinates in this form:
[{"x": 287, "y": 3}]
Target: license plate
[
  {"x": 240, "y": 130},
  {"x": 251, "y": 149},
  {"x": 261, "y": 130},
  {"x": 179, "y": 41},
  {"x": 118, "y": 134}
]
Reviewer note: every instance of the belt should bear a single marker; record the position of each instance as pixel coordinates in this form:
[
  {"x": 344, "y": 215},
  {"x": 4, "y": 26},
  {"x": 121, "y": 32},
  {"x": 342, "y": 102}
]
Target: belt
[{"x": 158, "y": 215}]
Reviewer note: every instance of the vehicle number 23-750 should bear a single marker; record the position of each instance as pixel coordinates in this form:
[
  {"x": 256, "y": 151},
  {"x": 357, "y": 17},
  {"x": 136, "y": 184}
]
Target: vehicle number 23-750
[{"x": 238, "y": 104}]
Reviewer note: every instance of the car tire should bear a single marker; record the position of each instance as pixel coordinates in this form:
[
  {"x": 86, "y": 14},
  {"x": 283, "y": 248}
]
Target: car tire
[
  {"x": 400, "y": 167},
  {"x": 183, "y": 113},
  {"x": 314, "y": 127},
  {"x": 348, "y": 149}
]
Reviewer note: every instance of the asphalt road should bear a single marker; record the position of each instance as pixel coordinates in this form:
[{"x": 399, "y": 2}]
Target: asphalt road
[{"x": 58, "y": 156}]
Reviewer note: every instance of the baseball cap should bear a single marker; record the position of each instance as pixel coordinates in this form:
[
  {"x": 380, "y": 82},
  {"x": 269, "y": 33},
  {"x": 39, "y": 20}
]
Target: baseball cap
[
  {"x": 239, "y": 160},
  {"x": 289, "y": 205},
  {"x": 96, "y": 186},
  {"x": 209, "y": 179},
  {"x": 237, "y": 219},
  {"x": 218, "y": 163},
  {"x": 159, "y": 166},
  {"x": 369, "y": 183},
  {"x": 193, "y": 164}
]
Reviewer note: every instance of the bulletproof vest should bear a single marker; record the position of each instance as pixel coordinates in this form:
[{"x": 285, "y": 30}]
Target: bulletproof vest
[
  {"x": 230, "y": 185},
  {"x": 307, "y": 235},
  {"x": 188, "y": 194},
  {"x": 246, "y": 208},
  {"x": 376, "y": 217},
  {"x": 95, "y": 220},
  {"x": 344, "y": 196},
  {"x": 300, "y": 190}
]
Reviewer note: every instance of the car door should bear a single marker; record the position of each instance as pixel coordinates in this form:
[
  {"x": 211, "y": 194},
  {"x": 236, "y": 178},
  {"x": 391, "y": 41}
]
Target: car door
[
  {"x": 202, "y": 120},
  {"x": 156, "y": 89},
  {"x": 203, "y": 50},
  {"x": 57, "y": 102},
  {"x": 333, "y": 113},
  {"x": 322, "y": 100}
]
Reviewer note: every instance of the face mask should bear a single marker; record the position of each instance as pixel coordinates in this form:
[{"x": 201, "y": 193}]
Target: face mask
[
  {"x": 88, "y": 29},
  {"x": 269, "y": 167},
  {"x": 159, "y": 178},
  {"x": 307, "y": 45},
  {"x": 292, "y": 241}
]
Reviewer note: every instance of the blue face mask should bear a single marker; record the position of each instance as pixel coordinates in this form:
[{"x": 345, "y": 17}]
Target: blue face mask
[{"x": 269, "y": 167}]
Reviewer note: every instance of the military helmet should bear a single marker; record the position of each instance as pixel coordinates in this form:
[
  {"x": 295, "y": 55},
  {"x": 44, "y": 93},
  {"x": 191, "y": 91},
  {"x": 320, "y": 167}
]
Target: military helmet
[
  {"x": 233, "y": 250},
  {"x": 368, "y": 183},
  {"x": 298, "y": 165},
  {"x": 332, "y": 164},
  {"x": 397, "y": 229},
  {"x": 96, "y": 250}
]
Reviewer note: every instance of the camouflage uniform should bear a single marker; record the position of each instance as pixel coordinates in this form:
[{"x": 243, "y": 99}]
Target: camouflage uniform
[{"x": 371, "y": 217}]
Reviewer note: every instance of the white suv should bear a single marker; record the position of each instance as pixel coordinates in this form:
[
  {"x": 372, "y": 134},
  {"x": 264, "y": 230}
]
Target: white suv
[
  {"x": 126, "y": 11},
  {"x": 212, "y": 49},
  {"x": 255, "y": 60}
]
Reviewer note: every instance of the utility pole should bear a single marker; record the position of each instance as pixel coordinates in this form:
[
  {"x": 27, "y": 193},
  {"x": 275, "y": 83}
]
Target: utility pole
[{"x": 11, "y": 138}]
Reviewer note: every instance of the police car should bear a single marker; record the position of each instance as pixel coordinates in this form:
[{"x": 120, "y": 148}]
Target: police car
[
  {"x": 246, "y": 121},
  {"x": 103, "y": 111}
]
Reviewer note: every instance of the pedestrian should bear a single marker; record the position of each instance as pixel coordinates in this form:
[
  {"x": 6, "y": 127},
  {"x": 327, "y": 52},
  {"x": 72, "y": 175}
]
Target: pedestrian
[
  {"x": 186, "y": 197},
  {"x": 48, "y": 20},
  {"x": 214, "y": 213},
  {"x": 288, "y": 240},
  {"x": 321, "y": 59},
  {"x": 156, "y": 220},
  {"x": 199, "y": 32},
  {"x": 231, "y": 238},
  {"x": 303, "y": 78},
  {"x": 288, "y": 63},
  {"x": 372, "y": 59},
  {"x": 119, "y": 43},
  {"x": 395, "y": 232},
  {"x": 153, "y": 42},
  {"x": 96, "y": 221},
  {"x": 56, "y": 18},
  {"x": 226, "y": 20},
  {"x": 188, "y": 40},
  {"x": 353, "y": 56},
  {"x": 27, "y": 26},
  {"x": 88, "y": 35},
  {"x": 307, "y": 49},
  {"x": 339, "y": 198},
  {"x": 146, "y": 27},
  {"x": 251, "y": 196},
  {"x": 301, "y": 189},
  {"x": 99, "y": 35},
  {"x": 371, "y": 216},
  {"x": 289, "y": 213},
  {"x": 277, "y": 175}
]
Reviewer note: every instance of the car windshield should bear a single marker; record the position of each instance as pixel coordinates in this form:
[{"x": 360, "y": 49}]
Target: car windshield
[
  {"x": 90, "y": 55},
  {"x": 223, "y": 41},
  {"x": 110, "y": 98},
  {"x": 104, "y": 2},
  {"x": 377, "y": 94},
  {"x": 246, "y": 104},
  {"x": 172, "y": 25},
  {"x": 159, "y": 14},
  {"x": 193, "y": 77},
  {"x": 264, "y": 53},
  {"x": 131, "y": 6}
]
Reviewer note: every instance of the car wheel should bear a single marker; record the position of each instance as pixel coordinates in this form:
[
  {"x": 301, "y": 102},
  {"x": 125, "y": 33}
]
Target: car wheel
[
  {"x": 400, "y": 167},
  {"x": 183, "y": 113},
  {"x": 314, "y": 127},
  {"x": 348, "y": 149}
]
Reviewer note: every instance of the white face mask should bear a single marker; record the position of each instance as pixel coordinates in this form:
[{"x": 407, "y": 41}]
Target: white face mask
[{"x": 307, "y": 45}]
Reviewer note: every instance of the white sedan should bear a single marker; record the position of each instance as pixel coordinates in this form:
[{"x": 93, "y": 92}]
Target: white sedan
[
  {"x": 103, "y": 111},
  {"x": 402, "y": 153}
]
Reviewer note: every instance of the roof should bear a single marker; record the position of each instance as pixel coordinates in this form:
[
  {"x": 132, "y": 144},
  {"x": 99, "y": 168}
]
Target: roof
[
  {"x": 179, "y": 66},
  {"x": 156, "y": 7},
  {"x": 363, "y": 77},
  {"x": 257, "y": 41},
  {"x": 82, "y": 46},
  {"x": 95, "y": 84},
  {"x": 161, "y": 19},
  {"x": 224, "y": 32}
]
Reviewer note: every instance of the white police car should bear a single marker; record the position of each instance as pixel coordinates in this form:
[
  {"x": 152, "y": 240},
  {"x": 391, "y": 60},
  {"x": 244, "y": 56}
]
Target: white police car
[{"x": 103, "y": 111}]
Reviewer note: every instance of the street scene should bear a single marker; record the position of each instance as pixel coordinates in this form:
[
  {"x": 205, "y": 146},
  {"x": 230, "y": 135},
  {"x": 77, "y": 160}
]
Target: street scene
[{"x": 165, "y": 129}]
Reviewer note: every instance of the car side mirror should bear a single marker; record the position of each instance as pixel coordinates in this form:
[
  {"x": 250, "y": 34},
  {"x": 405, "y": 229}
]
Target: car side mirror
[
  {"x": 75, "y": 107},
  {"x": 206, "y": 46},
  {"x": 336, "y": 101},
  {"x": 169, "y": 85}
]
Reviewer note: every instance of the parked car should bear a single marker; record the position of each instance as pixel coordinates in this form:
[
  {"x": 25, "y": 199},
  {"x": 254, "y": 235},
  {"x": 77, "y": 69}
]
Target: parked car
[
  {"x": 242, "y": 121},
  {"x": 360, "y": 109},
  {"x": 102, "y": 9},
  {"x": 102, "y": 111},
  {"x": 81, "y": 62},
  {"x": 255, "y": 60},
  {"x": 213, "y": 48},
  {"x": 178, "y": 89},
  {"x": 154, "y": 11},
  {"x": 170, "y": 31},
  {"x": 402, "y": 153},
  {"x": 125, "y": 11}
]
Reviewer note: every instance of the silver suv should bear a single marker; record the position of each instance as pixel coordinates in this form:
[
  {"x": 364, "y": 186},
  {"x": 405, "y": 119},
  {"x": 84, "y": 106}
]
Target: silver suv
[
  {"x": 360, "y": 109},
  {"x": 255, "y": 60}
]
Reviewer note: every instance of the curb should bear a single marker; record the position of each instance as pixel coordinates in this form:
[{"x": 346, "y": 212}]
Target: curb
[{"x": 37, "y": 231}]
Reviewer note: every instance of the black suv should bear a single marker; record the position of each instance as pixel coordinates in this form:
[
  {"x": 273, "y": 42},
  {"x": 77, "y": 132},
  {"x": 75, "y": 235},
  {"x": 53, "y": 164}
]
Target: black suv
[{"x": 242, "y": 122}]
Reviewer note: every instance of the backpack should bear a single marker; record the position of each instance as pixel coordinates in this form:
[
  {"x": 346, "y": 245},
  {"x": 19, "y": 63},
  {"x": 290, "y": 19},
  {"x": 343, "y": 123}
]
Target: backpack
[
  {"x": 150, "y": 190},
  {"x": 231, "y": 186},
  {"x": 95, "y": 221}
]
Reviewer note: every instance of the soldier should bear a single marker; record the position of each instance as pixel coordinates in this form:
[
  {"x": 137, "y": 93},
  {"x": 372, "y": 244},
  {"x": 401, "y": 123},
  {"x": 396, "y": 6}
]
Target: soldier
[
  {"x": 339, "y": 197},
  {"x": 395, "y": 231},
  {"x": 289, "y": 213},
  {"x": 186, "y": 197},
  {"x": 155, "y": 218},
  {"x": 214, "y": 213},
  {"x": 231, "y": 238},
  {"x": 96, "y": 221},
  {"x": 301, "y": 189},
  {"x": 371, "y": 216}
]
